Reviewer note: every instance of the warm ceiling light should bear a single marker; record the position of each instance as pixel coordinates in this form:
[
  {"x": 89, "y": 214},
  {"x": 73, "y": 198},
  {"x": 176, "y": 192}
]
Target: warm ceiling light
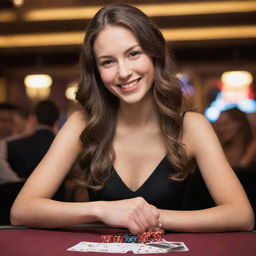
[
  {"x": 70, "y": 91},
  {"x": 18, "y": 3},
  {"x": 160, "y": 9},
  {"x": 38, "y": 81},
  {"x": 172, "y": 35},
  {"x": 38, "y": 86},
  {"x": 236, "y": 78}
]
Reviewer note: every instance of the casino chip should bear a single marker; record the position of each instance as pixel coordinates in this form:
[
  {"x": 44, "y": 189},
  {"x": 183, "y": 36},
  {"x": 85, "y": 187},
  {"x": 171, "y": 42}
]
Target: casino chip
[{"x": 146, "y": 237}]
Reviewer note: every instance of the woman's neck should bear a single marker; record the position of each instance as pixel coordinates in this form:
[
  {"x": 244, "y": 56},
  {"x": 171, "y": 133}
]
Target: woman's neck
[{"x": 138, "y": 114}]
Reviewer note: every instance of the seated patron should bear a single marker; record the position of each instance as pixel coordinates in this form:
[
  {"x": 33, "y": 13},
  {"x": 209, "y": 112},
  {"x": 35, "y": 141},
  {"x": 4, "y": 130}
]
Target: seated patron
[
  {"x": 7, "y": 120},
  {"x": 25, "y": 152},
  {"x": 237, "y": 139}
]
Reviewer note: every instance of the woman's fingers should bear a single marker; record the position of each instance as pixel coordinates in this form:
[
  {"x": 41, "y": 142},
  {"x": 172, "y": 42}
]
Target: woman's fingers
[
  {"x": 151, "y": 218},
  {"x": 157, "y": 225},
  {"x": 134, "y": 228},
  {"x": 134, "y": 214},
  {"x": 145, "y": 216},
  {"x": 136, "y": 220}
]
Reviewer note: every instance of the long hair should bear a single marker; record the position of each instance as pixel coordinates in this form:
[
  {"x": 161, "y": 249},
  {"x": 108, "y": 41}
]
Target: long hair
[
  {"x": 245, "y": 131},
  {"x": 100, "y": 106}
]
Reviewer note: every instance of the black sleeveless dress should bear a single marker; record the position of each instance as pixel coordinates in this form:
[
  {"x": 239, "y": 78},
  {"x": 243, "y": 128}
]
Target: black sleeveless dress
[{"x": 157, "y": 190}]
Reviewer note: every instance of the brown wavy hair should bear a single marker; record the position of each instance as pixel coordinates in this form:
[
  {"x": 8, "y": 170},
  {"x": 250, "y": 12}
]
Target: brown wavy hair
[{"x": 100, "y": 106}]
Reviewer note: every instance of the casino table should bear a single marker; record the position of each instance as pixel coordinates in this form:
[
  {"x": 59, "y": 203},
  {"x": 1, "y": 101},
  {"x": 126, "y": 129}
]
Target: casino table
[{"x": 20, "y": 241}]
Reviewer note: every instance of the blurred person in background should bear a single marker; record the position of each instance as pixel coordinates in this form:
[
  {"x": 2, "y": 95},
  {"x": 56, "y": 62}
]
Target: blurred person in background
[
  {"x": 25, "y": 152},
  {"x": 21, "y": 127},
  {"x": 12, "y": 124},
  {"x": 7, "y": 119},
  {"x": 21, "y": 152},
  {"x": 236, "y": 137}
]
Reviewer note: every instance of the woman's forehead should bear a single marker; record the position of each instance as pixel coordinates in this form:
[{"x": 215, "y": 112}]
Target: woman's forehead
[{"x": 114, "y": 38}]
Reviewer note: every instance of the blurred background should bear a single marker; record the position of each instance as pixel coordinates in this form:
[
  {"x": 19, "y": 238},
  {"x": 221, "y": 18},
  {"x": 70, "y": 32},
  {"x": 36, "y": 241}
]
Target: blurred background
[
  {"x": 214, "y": 44},
  {"x": 207, "y": 38}
]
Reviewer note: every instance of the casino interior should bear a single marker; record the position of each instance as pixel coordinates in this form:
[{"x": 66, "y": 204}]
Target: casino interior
[
  {"x": 207, "y": 39},
  {"x": 214, "y": 44}
]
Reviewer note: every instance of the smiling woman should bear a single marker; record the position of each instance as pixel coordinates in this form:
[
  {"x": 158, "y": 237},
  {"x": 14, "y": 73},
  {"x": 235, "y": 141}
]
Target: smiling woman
[{"x": 134, "y": 141}]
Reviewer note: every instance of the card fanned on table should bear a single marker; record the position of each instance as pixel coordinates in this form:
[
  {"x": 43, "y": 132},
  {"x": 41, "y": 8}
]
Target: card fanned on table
[{"x": 137, "y": 248}]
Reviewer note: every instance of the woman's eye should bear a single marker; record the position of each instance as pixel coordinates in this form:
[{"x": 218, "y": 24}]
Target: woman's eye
[
  {"x": 106, "y": 63},
  {"x": 134, "y": 53}
]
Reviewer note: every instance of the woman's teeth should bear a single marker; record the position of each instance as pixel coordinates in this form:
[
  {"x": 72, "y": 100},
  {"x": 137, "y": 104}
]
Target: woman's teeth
[{"x": 126, "y": 86}]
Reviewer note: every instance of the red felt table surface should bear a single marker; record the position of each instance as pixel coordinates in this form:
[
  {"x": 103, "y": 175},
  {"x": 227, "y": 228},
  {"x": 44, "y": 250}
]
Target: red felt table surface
[{"x": 30, "y": 242}]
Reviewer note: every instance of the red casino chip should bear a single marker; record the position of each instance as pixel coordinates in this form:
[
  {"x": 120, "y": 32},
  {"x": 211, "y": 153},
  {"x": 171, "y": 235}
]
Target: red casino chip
[
  {"x": 118, "y": 238},
  {"x": 107, "y": 238}
]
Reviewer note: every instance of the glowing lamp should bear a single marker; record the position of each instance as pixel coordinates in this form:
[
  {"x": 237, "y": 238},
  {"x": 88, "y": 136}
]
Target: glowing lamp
[
  {"x": 38, "y": 86},
  {"x": 235, "y": 92},
  {"x": 18, "y": 3},
  {"x": 70, "y": 91},
  {"x": 237, "y": 79}
]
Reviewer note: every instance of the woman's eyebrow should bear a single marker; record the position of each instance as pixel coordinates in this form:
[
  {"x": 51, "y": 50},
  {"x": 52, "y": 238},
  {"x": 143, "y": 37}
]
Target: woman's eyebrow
[
  {"x": 108, "y": 56},
  {"x": 103, "y": 57}
]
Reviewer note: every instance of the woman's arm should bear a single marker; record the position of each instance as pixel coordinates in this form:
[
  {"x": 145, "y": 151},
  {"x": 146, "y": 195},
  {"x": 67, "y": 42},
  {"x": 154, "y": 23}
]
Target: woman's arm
[
  {"x": 33, "y": 206},
  {"x": 233, "y": 210},
  {"x": 7, "y": 174}
]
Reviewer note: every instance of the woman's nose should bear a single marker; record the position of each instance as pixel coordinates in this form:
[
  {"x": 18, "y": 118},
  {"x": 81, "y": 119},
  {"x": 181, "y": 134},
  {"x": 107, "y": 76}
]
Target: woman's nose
[{"x": 124, "y": 71}]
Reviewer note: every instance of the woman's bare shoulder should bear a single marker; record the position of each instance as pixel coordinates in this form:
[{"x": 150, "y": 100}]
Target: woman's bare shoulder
[
  {"x": 77, "y": 115},
  {"x": 77, "y": 118},
  {"x": 194, "y": 120},
  {"x": 196, "y": 128},
  {"x": 73, "y": 126}
]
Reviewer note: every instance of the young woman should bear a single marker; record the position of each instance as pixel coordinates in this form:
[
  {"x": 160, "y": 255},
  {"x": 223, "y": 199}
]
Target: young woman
[
  {"x": 236, "y": 138},
  {"x": 133, "y": 141}
]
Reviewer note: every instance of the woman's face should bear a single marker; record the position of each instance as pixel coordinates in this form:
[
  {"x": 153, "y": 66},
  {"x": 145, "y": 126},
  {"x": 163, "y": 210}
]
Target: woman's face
[
  {"x": 125, "y": 69},
  {"x": 227, "y": 127}
]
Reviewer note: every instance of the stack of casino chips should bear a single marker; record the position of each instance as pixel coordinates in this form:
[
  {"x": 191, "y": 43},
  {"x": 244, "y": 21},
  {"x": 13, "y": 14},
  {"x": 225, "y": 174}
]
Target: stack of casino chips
[{"x": 146, "y": 237}]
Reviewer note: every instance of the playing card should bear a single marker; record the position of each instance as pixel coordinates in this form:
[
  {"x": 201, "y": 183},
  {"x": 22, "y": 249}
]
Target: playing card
[
  {"x": 169, "y": 246},
  {"x": 146, "y": 249},
  {"x": 137, "y": 248},
  {"x": 99, "y": 247}
]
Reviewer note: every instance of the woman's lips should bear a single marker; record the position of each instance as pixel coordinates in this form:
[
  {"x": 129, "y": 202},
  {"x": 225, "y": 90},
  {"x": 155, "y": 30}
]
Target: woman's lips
[{"x": 129, "y": 86}]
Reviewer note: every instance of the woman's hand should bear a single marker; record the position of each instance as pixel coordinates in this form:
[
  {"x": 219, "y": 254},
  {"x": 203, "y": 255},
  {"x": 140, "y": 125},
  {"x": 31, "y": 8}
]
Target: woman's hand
[{"x": 135, "y": 214}]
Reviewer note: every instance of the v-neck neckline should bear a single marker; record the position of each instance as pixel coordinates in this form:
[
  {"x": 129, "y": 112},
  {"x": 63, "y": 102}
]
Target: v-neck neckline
[{"x": 145, "y": 182}]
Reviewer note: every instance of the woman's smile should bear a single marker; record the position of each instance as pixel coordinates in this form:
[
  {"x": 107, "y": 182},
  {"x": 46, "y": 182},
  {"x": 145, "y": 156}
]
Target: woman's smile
[{"x": 130, "y": 86}]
